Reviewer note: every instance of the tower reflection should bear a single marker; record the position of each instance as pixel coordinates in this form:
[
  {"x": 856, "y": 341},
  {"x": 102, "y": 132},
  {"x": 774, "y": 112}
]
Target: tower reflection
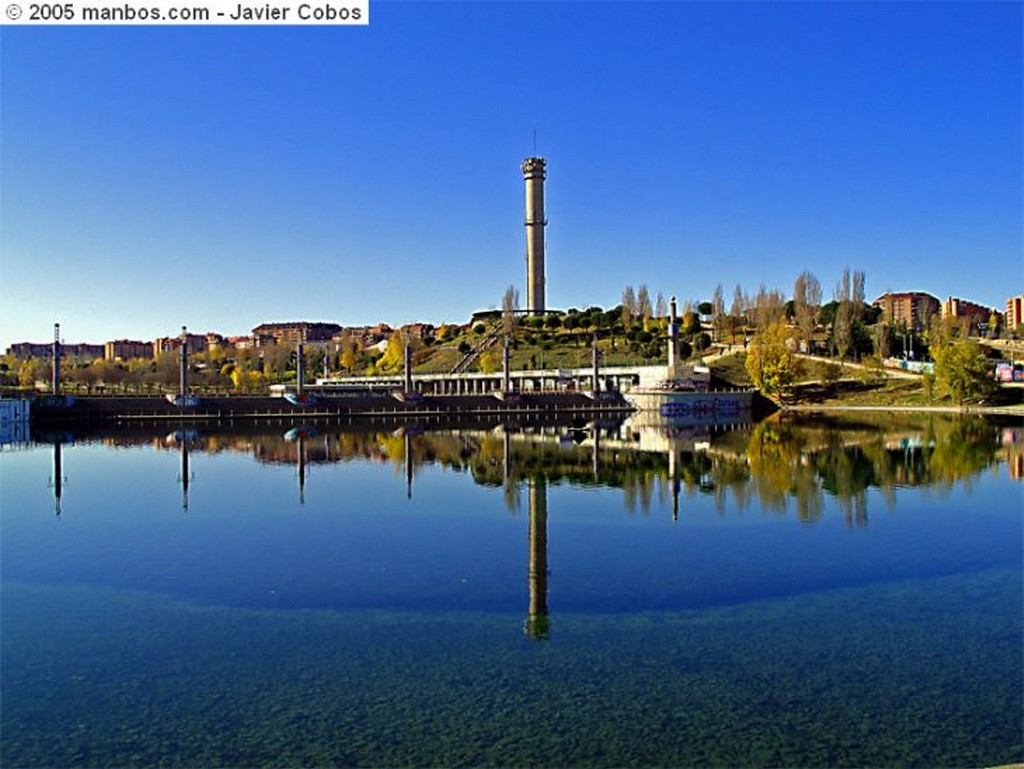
[
  {"x": 184, "y": 475},
  {"x": 300, "y": 437},
  {"x": 538, "y": 623},
  {"x": 57, "y": 482}
]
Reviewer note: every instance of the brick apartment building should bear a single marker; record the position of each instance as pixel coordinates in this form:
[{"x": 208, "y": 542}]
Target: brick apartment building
[
  {"x": 294, "y": 332},
  {"x": 126, "y": 349},
  {"x": 975, "y": 314},
  {"x": 83, "y": 353},
  {"x": 912, "y": 308},
  {"x": 196, "y": 343},
  {"x": 1014, "y": 312}
]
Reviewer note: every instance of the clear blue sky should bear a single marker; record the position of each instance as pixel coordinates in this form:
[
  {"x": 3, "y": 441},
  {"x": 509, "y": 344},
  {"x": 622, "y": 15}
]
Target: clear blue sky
[{"x": 221, "y": 177}]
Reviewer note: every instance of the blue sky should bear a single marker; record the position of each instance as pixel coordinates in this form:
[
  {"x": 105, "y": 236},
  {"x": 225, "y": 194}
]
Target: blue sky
[{"x": 220, "y": 177}]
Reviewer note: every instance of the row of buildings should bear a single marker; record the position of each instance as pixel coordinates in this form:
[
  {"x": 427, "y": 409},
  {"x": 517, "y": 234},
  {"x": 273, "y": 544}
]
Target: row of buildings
[
  {"x": 915, "y": 309},
  {"x": 908, "y": 309},
  {"x": 289, "y": 334}
]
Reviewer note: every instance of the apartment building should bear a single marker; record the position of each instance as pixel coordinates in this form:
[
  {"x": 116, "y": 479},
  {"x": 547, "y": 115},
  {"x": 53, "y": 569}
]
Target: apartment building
[{"x": 914, "y": 309}]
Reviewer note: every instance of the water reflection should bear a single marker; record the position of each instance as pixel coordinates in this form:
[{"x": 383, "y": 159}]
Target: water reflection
[
  {"x": 57, "y": 480},
  {"x": 784, "y": 463},
  {"x": 372, "y": 616},
  {"x": 538, "y": 624}
]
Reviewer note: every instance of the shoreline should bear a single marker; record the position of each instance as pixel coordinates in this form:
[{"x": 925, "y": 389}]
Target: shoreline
[
  {"x": 1017, "y": 411},
  {"x": 156, "y": 409}
]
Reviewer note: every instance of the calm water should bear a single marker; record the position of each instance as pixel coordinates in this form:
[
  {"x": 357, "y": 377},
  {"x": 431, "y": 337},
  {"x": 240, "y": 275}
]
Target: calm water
[{"x": 805, "y": 592}]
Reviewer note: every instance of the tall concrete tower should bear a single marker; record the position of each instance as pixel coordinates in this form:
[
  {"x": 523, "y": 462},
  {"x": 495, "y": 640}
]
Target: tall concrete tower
[{"x": 534, "y": 172}]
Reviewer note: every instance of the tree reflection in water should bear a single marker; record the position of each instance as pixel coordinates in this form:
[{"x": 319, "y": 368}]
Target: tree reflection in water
[{"x": 787, "y": 462}]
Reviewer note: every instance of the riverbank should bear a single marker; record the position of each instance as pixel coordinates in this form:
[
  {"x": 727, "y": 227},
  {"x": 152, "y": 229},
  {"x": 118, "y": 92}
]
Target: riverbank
[
  {"x": 1017, "y": 410},
  {"x": 107, "y": 409}
]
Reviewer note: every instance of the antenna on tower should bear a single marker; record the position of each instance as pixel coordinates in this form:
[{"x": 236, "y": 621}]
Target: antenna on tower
[{"x": 535, "y": 140}]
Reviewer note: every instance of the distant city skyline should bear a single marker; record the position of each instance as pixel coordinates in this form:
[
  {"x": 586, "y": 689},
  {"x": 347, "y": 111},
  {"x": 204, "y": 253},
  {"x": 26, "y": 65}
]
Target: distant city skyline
[{"x": 220, "y": 178}]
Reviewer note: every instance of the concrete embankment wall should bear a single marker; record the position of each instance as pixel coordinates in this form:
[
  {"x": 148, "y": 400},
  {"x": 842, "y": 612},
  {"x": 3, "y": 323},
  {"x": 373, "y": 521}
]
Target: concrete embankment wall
[{"x": 157, "y": 409}]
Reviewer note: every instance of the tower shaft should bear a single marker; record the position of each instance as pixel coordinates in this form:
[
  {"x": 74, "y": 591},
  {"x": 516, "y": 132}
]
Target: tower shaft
[{"x": 534, "y": 173}]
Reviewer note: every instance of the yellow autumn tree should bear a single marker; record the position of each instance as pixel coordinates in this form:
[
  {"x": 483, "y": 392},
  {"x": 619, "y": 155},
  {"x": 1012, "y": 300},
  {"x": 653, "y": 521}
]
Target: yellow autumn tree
[{"x": 770, "y": 363}]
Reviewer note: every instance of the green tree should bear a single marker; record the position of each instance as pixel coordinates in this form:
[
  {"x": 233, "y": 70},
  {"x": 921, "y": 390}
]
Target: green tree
[
  {"x": 770, "y": 363},
  {"x": 873, "y": 371},
  {"x": 962, "y": 370}
]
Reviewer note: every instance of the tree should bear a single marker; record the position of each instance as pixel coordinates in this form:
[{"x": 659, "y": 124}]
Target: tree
[
  {"x": 718, "y": 313},
  {"x": 857, "y": 294},
  {"x": 275, "y": 360},
  {"x": 842, "y": 323},
  {"x": 32, "y": 370},
  {"x": 872, "y": 370},
  {"x": 689, "y": 323},
  {"x": 628, "y": 307},
  {"x": 736, "y": 312},
  {"x": 643, "y": 304},
  {"x": 963, "y": 371},
  {"x": 769, "y": 306},
  {"x": 660, "y": 307},
  {"x": 490, "y": 362},
  {"x": 993, "y": 325},
  {"x": 831, "y": 374},
  {"x": 880, "y": 339},
  {"x": 349, "y": 349},
  {"x": 393, "y": 358},
  {"x": 806, "y": 302},
  {"x": 770, "y": 363},
  {"x": 509, "y": 307}
]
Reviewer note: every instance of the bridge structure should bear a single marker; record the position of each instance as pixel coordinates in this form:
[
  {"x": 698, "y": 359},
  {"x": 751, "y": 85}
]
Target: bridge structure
[{"x": 612, "y": 379}]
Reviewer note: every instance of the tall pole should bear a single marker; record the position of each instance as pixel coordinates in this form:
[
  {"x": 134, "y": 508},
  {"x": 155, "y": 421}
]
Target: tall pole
[
  {"x": 408, "y": 365},
  {"x": 56, "y": 358},
  {"x": 506, "y": 369},
  {"x": 299, "y": 365},
  {"x": 673, "y": 337},
  {"x": 597, "y": 372},
  {"x": 534, "y": 173},
  {"x": 184, "y": 362}
]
